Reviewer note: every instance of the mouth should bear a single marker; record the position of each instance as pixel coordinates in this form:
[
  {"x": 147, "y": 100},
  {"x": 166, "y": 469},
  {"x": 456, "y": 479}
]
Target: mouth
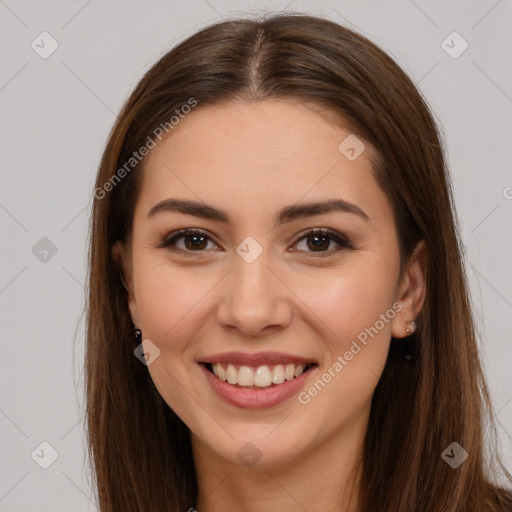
[{"x": 257, "y": 377}]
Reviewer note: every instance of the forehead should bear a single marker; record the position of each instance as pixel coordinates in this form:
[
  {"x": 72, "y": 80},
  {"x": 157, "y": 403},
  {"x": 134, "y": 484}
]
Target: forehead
[{"x": 254, "y": 156}]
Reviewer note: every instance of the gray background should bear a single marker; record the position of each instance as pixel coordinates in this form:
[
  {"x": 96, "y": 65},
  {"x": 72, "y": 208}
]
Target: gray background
[{"x": 55, "y": 117}]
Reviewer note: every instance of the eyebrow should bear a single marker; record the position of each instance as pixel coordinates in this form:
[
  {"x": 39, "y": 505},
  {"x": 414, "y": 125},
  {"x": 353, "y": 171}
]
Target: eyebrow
[{"x": 287, "y": 214}]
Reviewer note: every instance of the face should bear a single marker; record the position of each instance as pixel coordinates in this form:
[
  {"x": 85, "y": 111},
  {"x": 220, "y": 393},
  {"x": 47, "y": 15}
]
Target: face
[{"x": 266, "y": 277}]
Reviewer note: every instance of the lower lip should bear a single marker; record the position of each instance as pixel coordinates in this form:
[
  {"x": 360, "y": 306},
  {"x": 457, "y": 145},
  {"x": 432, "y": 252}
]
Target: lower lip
[{"x": 256, "y": 398}]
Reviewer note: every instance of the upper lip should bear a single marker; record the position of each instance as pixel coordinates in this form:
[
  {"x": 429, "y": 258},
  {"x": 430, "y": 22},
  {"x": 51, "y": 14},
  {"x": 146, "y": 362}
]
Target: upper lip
[{"x": 258, "y": 359}]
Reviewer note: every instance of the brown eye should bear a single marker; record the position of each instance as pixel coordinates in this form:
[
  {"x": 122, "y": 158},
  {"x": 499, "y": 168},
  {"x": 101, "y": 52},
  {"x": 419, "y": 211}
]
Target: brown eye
[
  {"x": 193, "y": 241},
  {"x": 319, "y": 240}
]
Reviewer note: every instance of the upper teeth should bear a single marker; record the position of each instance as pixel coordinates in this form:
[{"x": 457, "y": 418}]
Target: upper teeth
[{"x": 261, "y": 376}]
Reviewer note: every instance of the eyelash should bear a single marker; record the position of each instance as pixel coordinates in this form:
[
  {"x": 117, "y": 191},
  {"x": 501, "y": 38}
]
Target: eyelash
[{"x": 343, "y": 243}]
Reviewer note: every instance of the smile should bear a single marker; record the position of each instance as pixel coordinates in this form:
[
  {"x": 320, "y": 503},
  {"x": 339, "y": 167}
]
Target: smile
[
  {"x": 254, "y": 377},
  {"x": 256, "y": 381}
]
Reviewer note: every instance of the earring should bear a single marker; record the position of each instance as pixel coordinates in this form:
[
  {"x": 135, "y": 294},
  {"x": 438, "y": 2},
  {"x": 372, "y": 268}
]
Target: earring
[
  {"x": 138, "y": 334},
  {"x": 408, "y": 331}
]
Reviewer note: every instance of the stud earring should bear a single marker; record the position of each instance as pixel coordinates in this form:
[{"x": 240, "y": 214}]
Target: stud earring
[
  {"x": 408, "y": 331},
  {"x": 138, "y": 334}
]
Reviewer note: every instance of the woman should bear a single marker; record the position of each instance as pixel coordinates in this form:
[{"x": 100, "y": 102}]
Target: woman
[{"x": 278, "y": 315}]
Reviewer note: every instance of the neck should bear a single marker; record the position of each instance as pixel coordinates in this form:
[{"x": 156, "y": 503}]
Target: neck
[{"x": 323, "y": 478}]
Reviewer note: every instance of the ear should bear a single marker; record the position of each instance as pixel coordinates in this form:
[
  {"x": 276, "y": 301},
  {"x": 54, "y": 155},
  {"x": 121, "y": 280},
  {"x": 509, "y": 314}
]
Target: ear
[
  {"x": 123, "y": 260},
  {"x": 412, "y": 291}
]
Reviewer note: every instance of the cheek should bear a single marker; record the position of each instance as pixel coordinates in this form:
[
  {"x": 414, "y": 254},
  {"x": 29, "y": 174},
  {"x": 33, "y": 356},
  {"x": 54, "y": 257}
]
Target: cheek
[
  {"x": 351, "y": 300},
  {"x": 169, "y": 297},
  {"x": 169, "y": 300},
  {"x": 172, "y": 304},
  {"x": 358, "y": 310}
]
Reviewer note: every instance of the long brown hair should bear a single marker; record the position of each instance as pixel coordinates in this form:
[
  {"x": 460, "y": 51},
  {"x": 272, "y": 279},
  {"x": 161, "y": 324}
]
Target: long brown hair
[{"x": 140, "y": 450}]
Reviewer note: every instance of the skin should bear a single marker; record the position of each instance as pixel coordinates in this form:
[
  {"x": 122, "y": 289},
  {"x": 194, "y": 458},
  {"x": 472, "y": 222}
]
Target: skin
[{"x": 252, "y": 159}]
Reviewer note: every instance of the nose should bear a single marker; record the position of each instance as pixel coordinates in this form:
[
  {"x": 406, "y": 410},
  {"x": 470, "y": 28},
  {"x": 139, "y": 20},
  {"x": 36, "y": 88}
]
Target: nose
[{"x": 255, "y": 298}]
